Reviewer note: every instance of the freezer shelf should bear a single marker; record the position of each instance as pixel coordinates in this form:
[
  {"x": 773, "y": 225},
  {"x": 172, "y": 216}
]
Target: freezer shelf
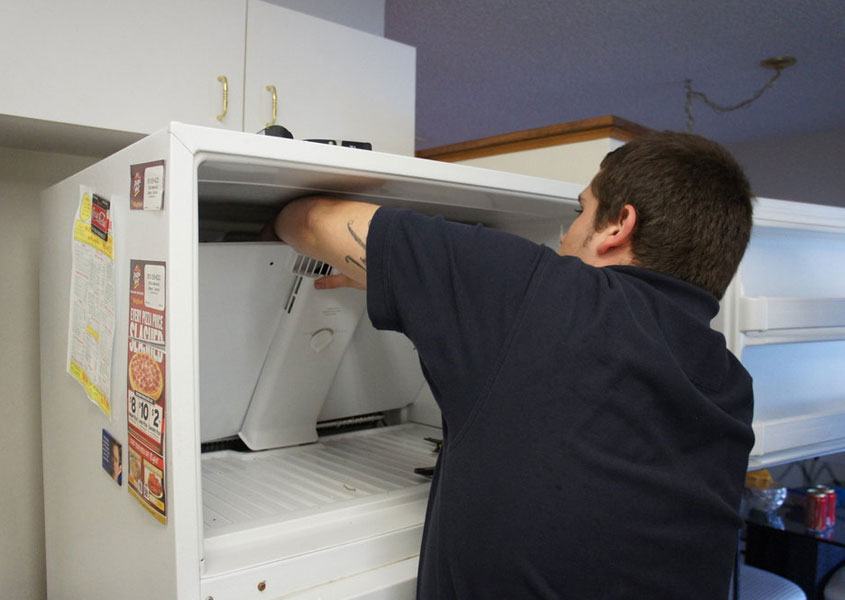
[
  {"x": 241, "y": 490},
  {"x": 297, "y": 516}
]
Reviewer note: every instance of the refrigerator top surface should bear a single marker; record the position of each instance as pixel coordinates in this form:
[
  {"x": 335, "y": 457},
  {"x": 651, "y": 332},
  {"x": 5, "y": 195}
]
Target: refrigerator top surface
[{"x": 213, "y": 145}]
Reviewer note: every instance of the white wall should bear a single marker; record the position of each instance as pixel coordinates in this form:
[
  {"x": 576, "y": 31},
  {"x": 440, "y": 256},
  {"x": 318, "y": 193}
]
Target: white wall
[
  {"x": 23, "y": 174},
  {"x": 577, "y": 162},
  {"x": 806, "y": 168}
]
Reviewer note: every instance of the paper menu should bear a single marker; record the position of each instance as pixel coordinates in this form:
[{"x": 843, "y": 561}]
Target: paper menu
[{"x": 91, "y": 319}]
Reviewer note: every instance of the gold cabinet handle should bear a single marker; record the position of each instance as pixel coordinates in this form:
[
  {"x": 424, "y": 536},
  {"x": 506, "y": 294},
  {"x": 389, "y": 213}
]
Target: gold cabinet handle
[
  {"x": 222, "y": 79},
  {"x": 272, "y": 90}
]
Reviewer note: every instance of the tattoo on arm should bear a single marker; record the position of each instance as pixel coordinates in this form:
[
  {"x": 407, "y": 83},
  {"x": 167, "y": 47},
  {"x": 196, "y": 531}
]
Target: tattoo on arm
[
  {"x": 361, "y": 262},
  {"x": 354, "y": 235},
  {"x": 349, "y": 259}
]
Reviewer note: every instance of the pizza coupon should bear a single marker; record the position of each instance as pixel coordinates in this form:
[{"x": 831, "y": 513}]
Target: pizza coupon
[
  {"x": 146, "y": 191},
  {"x": 146, "y": 375},
  {"x": 146, "y": 479}
]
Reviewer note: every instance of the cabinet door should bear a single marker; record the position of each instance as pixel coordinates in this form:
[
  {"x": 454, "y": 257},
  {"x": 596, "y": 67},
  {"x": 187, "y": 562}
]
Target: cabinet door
[
  {"x": 130, "y": 66},
  {"x": 332, "y": 82}
]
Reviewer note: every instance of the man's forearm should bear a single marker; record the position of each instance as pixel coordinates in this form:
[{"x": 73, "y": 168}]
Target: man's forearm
[
  {"x": 293, "y": 225},
  {"x": 331, "y": 230}
]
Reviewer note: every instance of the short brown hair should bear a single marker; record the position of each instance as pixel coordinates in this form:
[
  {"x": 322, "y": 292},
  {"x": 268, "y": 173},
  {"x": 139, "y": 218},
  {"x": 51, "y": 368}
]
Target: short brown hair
[{"x": 693, "y": 205}]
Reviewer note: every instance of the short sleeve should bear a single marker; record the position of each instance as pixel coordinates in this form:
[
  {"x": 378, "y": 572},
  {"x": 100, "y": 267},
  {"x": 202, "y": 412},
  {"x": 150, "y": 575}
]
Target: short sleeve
[{"x": 455, "y": 290}]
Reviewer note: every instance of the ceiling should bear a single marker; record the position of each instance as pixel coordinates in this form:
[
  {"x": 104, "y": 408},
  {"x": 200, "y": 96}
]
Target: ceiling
[{"x": 488, "y": 67}]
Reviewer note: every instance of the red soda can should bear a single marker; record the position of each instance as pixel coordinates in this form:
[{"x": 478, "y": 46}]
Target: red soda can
[
  {"x": 831, "y": 504},
  {"x": 815, "y": 513}
]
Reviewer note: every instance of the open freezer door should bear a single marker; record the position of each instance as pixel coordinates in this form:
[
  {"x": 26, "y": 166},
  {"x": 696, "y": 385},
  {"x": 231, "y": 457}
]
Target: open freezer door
[{"x": 784, "y": 317}]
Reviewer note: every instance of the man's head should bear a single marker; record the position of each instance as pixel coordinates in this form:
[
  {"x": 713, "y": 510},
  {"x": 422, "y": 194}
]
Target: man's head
[
  {"x": 671, "y": 202},
  {"x": 116, "y": 465}
]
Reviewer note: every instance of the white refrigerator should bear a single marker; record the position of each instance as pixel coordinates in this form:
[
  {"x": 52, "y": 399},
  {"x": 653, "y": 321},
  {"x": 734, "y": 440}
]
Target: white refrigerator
[{"x": 215, "y": 429}]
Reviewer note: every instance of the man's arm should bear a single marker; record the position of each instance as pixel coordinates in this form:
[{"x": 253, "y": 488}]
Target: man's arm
[{"x": 331, "y": 230}]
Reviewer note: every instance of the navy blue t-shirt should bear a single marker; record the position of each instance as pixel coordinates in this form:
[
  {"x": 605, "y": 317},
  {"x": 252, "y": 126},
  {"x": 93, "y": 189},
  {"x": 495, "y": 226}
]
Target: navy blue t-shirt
[{"x": 596, "y": 429}]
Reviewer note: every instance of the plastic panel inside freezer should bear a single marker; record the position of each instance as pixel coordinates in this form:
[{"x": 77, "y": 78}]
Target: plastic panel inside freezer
[
  {"x": 346, "y": 491},
  {"x": 246, "y": 489}
]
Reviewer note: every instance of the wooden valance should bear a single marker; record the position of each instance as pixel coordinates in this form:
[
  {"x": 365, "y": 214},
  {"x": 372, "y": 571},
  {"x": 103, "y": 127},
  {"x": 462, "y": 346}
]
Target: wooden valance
[{"x": 608, "y": 126}]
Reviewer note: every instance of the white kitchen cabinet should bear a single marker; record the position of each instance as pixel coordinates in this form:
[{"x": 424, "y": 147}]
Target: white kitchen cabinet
[
  {"x": 126, "y": 66},
  {"x": 134, "y": 67},
  {"x": 330, "y": 81}
]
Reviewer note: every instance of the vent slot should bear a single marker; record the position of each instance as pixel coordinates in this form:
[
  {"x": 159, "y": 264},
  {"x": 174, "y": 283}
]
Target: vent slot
[
  {"x": 304, "y": 266},
  {"x": 310, "y": 267},
  {"x": 294, "y": 290}
]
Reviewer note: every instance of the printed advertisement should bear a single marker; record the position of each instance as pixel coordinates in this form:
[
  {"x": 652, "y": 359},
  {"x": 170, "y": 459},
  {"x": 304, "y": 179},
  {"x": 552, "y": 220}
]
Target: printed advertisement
[
  {"x": 146, "y": 385},
  {"x": 147, "y": 187},
  {"x": 146, "y": 479},
  {"x": 112, "y": 457},
  {"x": 92, "y": 298}
]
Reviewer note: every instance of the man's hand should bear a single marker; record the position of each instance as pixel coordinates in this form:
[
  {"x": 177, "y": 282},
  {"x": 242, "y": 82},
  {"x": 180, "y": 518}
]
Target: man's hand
[
  {"x": 330, "y": 282},
  {"x": 333, "y": 231}
]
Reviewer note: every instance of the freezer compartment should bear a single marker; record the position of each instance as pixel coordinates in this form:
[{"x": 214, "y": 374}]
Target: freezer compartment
[
  {"x": 309, "y": 510},
  {"x": 296, "y": 517},
  {"x": 277, "y": 356},
  {"x": 305, "y": 513},
  {"x": 267, "y": 373}
]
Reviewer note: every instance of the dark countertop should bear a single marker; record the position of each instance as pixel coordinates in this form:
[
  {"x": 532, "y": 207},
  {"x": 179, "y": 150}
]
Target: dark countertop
[{"x": 790, "y": 518}]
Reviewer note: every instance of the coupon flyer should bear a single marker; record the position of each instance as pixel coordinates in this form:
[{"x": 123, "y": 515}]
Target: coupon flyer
[
  {"x": 146, "y": 399},
  {"x": 147, "y": 187},
  {"x": 92, "y": 298}
]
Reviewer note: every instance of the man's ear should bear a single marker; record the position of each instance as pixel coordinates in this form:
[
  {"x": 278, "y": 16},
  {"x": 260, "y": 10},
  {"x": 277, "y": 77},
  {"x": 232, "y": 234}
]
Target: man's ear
[{"x": 617, "y": 235}]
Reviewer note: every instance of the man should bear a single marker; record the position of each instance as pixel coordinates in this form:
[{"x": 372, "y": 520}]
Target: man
[
  {"x": 116, "y": 463},
  {"x": 596, "y": 430}
]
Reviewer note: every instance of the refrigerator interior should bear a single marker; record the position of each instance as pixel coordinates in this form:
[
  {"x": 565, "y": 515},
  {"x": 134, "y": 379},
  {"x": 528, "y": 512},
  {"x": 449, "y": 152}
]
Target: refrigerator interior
[
  {"x": 322, "y": 481},
  {"x": 798, "y": 406}
]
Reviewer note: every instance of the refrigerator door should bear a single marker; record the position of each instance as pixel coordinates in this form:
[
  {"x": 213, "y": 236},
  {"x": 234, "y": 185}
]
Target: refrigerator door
[{"x": 784, "y": 316}]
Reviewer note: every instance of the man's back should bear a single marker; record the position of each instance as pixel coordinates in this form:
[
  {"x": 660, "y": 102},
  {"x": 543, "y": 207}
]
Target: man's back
[{"x": 596, "y": 427}]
